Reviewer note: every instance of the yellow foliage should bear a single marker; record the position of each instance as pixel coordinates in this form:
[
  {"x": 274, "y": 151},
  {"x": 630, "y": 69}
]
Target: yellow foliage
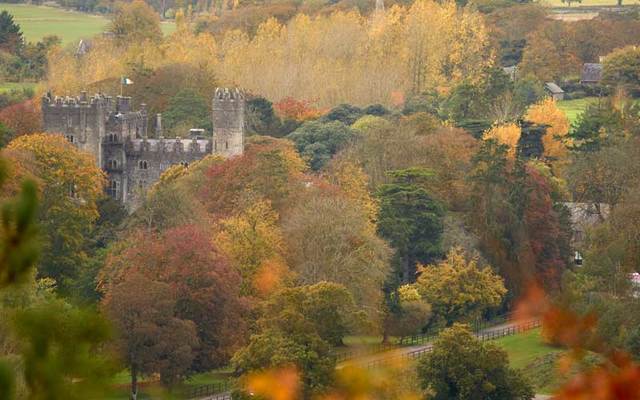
[
  {"x": 279, "y": 384},
  {"x": 408, "y": 293},
  {"x": 547, "y": 112},
  {"x": 508, "y": 134},
  {"x": 254, "y": 243},
  {"x": 331, "y": 59},
  {"x": 355, "y": 185}
]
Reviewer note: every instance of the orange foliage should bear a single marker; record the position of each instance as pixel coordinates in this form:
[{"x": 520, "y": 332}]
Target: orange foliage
[
  {"x": 547, "y": 112},
  {"x": 505, "y": 134},
  {"x": 279, "y": 384},
  {"x": 297, "y": 110},
  {"x": 22, "y": 118}
]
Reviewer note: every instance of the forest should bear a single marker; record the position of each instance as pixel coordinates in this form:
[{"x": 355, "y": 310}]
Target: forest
[{"x": 412, "y": 189}]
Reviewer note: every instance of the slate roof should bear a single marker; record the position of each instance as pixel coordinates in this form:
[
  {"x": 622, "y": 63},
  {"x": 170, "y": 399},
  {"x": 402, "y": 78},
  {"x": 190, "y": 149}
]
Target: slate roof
[
  {"x": 553, "y": 88},
  {"x": 591, "y": 73}
]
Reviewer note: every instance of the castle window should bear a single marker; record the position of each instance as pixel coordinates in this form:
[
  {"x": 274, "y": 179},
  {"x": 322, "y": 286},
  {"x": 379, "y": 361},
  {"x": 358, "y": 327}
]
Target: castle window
[
  {"x": 70, "y": 138},
  {"x": 226, "y": 145},
  {"x": 112, "y": 138},
  {"x": 112, "y": 189},
  {"x": 143, "y": 164},
  {"x": 184, "y": 164},
  {"x": 112, "y": 164}
]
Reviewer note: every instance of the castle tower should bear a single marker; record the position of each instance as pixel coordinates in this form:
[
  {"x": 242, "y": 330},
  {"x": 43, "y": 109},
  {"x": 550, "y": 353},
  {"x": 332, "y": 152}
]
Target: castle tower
[{"x": 228, "y": 122}]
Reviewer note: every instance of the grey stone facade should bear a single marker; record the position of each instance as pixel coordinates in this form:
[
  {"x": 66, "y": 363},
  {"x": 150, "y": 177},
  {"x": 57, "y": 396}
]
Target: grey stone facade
[{"x": 117, "y": 137}]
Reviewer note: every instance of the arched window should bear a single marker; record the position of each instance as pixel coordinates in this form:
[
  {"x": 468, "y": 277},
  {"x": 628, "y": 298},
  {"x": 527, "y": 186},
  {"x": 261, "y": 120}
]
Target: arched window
[
  {"x": 143, "y": 164},
  {"x": 112, "y": 164},
  {"x": 184, "y": 164},
  {"x": 112, "y": 138},
  {"x": 70, "y": 138},
  {"x": 226, "y": 145}
]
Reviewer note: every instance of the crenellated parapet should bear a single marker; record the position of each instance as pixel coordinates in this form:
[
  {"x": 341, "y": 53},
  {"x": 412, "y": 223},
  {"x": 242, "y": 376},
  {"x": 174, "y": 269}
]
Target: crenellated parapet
[{"x": 144, "y": 146}]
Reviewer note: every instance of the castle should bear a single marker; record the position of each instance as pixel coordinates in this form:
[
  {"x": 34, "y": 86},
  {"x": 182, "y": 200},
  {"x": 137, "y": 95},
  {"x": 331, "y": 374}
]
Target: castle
[{"x": 117, "y": 137}]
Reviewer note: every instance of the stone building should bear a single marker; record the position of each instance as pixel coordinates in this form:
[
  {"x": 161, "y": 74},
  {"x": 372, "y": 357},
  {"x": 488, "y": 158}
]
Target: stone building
[{"x": 118, "y": 138}]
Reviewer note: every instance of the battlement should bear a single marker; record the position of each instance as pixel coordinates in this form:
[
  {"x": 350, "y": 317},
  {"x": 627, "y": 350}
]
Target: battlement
[
  {"x": 163, "y": 145},
  {"x": 228, "y": 94},
  {"x": 82, "y": 101}
]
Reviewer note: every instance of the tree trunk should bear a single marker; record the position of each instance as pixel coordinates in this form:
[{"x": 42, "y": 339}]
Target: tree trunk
[{"x": 134, "y": 383}]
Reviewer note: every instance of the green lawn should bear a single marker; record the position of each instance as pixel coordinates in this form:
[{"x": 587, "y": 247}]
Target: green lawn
[
  {"x": 573, "y": 108},
  {"x": 39, "y": 21},
  {"x": 9, "y": 86},
  {"x": 525, "y": 348}
]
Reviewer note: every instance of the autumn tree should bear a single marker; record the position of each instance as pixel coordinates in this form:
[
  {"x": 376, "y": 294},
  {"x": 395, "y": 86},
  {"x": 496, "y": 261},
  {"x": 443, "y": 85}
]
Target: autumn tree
[
  {"x": 330, "y": 238},
  {"x": 70, "y": 185},
  {"x": 135, "y": 22},
  {"x": 411, "y": 220},
  {"x": 22, "y": 118},
  {"x": 508, "y": 135},
  {"x": 622, "y": 67},
  {"x": 547, "y": 113},
  {"x": 461, "y": 367},
  {"x": 458, "y": 289},
  {"x": 151, "y": 337},
  {"x": 203, "y": 283},
  {"x": 408, "y": 313},
  {"x": 253, "y": 241}
]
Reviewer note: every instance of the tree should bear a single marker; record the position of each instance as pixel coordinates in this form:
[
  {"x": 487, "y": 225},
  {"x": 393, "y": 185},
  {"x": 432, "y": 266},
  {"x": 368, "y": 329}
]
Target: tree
[
  {"x": 547, "y": 113},
  {"x": 317, "y": 142},
  {"x": 253, "y": 241},
  {"x": 205, "y": 286},
  {"x": 70, "y": 186},
  {"x": 411, "y": 220},
  {"x": 261, "y": 118},
  {"x": 330, "y": 238},
  {"x": 152, "y": 339},
  {"x": 458, "y": 290},
  {"x": 187, "y": 109},
  {"x": 329, "y": 307},
  {"x": 22, "y": 118},
  {"x": 508, "y": 135},
  {"x": 461, "y": 367},
  {"x": 292, "y": 333},
  {"x": 61, "y": 351},
  {"x": 409, "y": 313},
  {"x": 11, "y": 39},
  {"x": 135, "y": 22},
  {"x": 622, "y": 68}
]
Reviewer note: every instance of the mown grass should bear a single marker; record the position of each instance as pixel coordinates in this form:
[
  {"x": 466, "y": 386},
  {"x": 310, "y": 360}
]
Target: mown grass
[
  {"x": 37, "y": 22},
  {"x": 9, "y": 86},
  {"x": 573, "y": 108},
  {"x": 524, "y": 348}
]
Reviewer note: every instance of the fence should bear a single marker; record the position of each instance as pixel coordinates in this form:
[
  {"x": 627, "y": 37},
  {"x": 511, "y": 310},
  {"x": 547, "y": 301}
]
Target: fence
[
  {"x": 213, "y": 391},
  {"x": 482, "y": 336}
]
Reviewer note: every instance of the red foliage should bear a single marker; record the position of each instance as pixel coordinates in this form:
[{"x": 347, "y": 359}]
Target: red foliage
[
  {"x": 22, "y": 118},
  {"x": 206, "y": 286},
  {"x": 269, "y": 169},
  {"x": 544, "y": 230},
  {"x": 297, "y": 110}
]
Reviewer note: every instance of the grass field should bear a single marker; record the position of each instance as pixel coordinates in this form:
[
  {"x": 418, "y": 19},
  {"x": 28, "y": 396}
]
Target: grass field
[
  {"x": 9, "y": 86},
  {"x": 573, "y": 108},
  {"x": 39, "y": 21},
  {"x": 525, "y": 348}
]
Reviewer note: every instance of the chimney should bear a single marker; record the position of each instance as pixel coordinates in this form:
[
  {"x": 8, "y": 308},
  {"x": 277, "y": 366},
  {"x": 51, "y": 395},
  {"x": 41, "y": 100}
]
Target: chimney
[
  {"x": 123, "y": 104},
  {"x": 158, "y": 125}
]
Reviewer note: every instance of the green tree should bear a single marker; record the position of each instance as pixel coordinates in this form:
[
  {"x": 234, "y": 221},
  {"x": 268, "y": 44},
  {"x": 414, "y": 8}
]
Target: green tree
[
  {"x": 261, "y": 118},
  {"x": 458, "y": 289},
  {"x": 460, "y": 367},
  {"x": 411, "y": 220},
  {"x": 622, "y": 68},
  {"x": 187, "y": 109},
  {"x": 328, "y": 306},
  {"x": 135, "y": 22},
  {"x": 60, "y": 349},
  {"x": 11, "y": 39},
  {"x": 317, "y": 142}
]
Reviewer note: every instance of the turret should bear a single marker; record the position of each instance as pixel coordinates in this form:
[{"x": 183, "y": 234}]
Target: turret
[{"x": 228, "y": 122}]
